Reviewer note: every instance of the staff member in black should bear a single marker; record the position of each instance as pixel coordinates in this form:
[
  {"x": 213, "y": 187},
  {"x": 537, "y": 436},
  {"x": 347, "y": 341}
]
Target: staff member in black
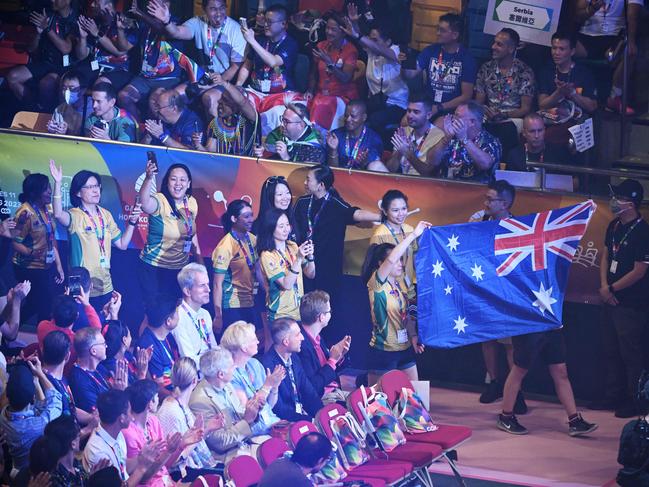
[
  {"x": 624, "y": 290},
  {"x": 322, "y": 215}
]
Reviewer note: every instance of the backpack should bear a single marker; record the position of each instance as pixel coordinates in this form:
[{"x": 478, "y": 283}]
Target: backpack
[
  {"x": 412, "y": 413},
  {"x": 377, "y": 411},
  {"x": 350, "y": 440}
]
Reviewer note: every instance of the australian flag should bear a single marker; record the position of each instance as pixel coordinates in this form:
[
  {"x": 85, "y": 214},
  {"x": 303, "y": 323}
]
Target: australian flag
[{"x": 495, "y": 279}]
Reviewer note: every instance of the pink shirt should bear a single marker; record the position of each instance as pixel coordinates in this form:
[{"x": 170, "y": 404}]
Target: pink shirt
[
  {"x": 322, "y": 358},
  {"x": 136, "y": 438}
]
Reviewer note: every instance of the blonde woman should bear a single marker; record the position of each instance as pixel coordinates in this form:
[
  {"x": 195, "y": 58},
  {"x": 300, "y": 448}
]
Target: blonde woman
[{"x": 250, "y": 378}]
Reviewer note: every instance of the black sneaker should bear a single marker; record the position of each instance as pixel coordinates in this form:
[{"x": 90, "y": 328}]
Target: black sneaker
[
  {"x": 493, "y": 391},
  {"x": 511, "y": 425},
  {"x": 520, "y": 407},
  {"x": 579, "y": 426}
]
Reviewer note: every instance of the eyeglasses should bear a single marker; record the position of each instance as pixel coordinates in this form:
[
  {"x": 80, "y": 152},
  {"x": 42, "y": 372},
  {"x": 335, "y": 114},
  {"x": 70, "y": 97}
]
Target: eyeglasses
[
  {"x": 99, "y": 344},
  {"x": 91, "y": 186},
  {"x": 286, "y": 121},
  {"x": 73, "y": 89},
  {"x": 269, "y": 21},
  {"x": 491, "y": 200},
  {"x": 160, "y": 107}
]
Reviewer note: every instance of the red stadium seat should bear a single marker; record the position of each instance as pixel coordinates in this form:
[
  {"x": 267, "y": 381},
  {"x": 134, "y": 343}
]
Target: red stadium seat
[
  {"x": 243, "y": 471},
  {"x": 270, "y": 450}
]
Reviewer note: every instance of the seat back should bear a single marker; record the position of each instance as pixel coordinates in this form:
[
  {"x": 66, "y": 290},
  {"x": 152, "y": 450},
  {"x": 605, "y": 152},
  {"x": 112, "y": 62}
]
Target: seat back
[
  {"x": 270, "y": 450},
  {"x": 326, "y": 414},
  {"x": 301, "y": 72},
  {"x": 243, "y": 471},
  {"x": 299, "y": 429},
  {"x": 392, "y": 382},
  {"x": 33, "y": 121},
  {"x": 209, "y": 480}
]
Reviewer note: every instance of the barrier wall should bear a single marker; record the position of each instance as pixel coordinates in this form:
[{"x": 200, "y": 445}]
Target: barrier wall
[{"x": 218, "y": 179}]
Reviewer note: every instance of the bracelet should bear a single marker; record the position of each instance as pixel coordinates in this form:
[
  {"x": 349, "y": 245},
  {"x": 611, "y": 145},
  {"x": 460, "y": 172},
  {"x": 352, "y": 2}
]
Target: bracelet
[
  {"x": 57, "y": 196},
  {"x": 297, "y": 273},
  {"x": 132, "y": 223},
  {"x": 310, "y": 260},
  {"x": 167, "y": 22},
  {"x": 164, "y": 137}
]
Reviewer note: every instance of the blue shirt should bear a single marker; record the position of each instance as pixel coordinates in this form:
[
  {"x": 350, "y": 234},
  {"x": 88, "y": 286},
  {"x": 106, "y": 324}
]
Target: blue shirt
[
  {"x": 184, "y": 128},
  {"x": 86, "y": 387},
  {"x": 67, "y": 400},
  {"x": 282, "y": 77},
  {"x": 369, "y": 148},
  {"x": 445, "y": 71},
  {"x": 164, "y": 354},
  {"x": 250, "y": 379}
]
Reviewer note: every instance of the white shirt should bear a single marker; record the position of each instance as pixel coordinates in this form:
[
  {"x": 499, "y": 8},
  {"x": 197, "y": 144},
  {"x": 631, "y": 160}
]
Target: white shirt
[
  {"x": 608, "y": 20},
  {"x": 194, "y": 332},
  {"x": 393, "y": 85},
  {"x": 102, "y": 445},
  {"x": 231, "y": 44}
]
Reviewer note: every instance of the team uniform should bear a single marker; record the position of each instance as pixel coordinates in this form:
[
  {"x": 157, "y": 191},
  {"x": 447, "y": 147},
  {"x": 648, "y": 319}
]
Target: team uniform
[
  {"x": 384, "y": 234},
  {"x": 275, "y": 265}
]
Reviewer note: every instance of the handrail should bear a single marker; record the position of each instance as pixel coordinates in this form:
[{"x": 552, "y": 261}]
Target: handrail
[{"x": 626, "y": 173}]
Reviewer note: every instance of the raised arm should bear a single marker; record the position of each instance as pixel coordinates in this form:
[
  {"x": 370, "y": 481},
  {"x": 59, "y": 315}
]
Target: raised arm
[
  {"x": 63, "y": 217},
  {"x": 394, "y": 257},
  {"x": 159, "y": 11}
]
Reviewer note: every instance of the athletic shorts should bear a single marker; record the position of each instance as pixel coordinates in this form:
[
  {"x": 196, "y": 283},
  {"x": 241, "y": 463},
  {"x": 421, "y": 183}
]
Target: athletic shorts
[
  {"x": 596, "y": 46},
  {"x": 548, "y": 345},
  {"x": 381, "y": 361}
]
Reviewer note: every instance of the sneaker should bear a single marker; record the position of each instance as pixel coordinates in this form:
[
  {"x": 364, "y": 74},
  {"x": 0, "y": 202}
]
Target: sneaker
[
  {"x": 511, "y": 425},
  {"x": 520, "y": 407},
  {"x": 627, "y": 410},
  {"x": 493, "y": 391},
  {"x": 615, "y": 105},
  {"x": 579, "y": 426}
]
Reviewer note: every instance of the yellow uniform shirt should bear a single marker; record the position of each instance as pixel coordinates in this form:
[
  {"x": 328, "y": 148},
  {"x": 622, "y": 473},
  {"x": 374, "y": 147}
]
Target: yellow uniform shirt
[
  {"x": 166, "y": 241},
  {"x": 86, "y": 235},
  {"x": 275, "y": 265},
  {"x": 389, "y": 310},
  {"x": 235, "y": 259},
  {"x": 35, "y": 230},
  {"x": 384, "y": 234}
]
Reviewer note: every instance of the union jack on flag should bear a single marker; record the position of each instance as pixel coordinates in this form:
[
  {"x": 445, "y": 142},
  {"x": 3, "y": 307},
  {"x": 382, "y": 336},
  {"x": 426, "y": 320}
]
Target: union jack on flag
[{"x": 475, "y": 281}]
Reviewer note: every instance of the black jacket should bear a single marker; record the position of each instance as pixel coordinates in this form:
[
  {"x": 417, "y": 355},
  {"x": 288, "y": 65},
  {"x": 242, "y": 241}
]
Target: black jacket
[{"x": 320, "y": 376}]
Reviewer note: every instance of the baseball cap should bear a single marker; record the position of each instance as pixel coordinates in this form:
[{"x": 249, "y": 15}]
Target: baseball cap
[{"x": 629, "y": 189}]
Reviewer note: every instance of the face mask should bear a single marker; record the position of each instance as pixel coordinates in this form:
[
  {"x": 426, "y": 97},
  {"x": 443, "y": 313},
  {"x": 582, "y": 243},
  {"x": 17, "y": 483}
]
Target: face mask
[
  {"x": 70, "y": 97},
  {"x": 618, "y": 206}
]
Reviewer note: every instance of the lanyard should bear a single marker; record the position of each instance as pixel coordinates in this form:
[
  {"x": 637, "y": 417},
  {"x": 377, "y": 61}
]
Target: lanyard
[
  {"x": 47, "y": 225},
  {"x": 182, "y": 408},
  {"x": 250, "y": 255},
  {"x": 118, "y": 458},
  {"x": 187, "y": 221},
  {"x": 313, "y": 222},
  {"x": 443, "y": 73},
  {"x": 353, "y": 154},
  {"x": 421, "y": 141},
  {"x": 289, "y": 263},
  {"x": 557, "y": 73},
  {"x": 273, "y": 52},
  {"x": 202, "y": 330},
  {"x": 291, "y": 376},
  {"x": 398, "y": 293},
  {"x": 212, "y": 46},
  {"x": 244, "y": 375},
  {"x": 167, "y": 349},
  {"x": 100, "y": 237},
  {"x": 102, "y": 384},
  {"x": 394, "y": 235},
  {"x": 66, "y": 391},
  {"x": 540, "y": 157},
  {"x": 616, "y": 247}
]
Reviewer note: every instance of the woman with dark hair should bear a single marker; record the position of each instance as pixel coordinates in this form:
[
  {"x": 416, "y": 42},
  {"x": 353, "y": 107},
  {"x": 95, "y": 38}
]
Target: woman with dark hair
[
  {"x": 331, "y": 83},
  {"x": 394, "y": 340},
  {"x": 171, "y": 237},
  {"x": 233, "y": 261},
  {"x": 69, "y": 471},
  {"x": 275, "y": 193},
  {"x": 36, "y": 253},
  {"x": 393, "y": 229},
  {"x": 282, "y": 264},
  {"x": 91, "y": 230},
  {"x": 118, "y": 344}
]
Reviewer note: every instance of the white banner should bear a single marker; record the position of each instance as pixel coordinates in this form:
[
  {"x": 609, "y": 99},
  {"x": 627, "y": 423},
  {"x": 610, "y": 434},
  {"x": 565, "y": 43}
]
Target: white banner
[{"x": 534, "y": 23}]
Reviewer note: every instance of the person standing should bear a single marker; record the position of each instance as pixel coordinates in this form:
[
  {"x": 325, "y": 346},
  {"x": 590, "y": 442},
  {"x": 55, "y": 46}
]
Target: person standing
[{"x": 624, "y": 289}]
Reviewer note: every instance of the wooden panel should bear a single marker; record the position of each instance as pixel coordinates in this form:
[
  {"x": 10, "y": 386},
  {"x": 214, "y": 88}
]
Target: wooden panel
[{"x": 425, "y": 17}]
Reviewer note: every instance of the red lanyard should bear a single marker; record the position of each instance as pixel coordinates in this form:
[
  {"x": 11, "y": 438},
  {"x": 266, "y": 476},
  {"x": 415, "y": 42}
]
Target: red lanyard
[
  {"x": 199, "y": 323},
  {"x": 118, "y": 458},
  {"x": 212, "y": 47},
  {"x": 100, "y": 238},
  {"x": 616, "y": 246},
  {"x": 353, "y": 154},
  {"x": 398, "y": 293},
  {"x": 250, "y": 255},
  {"x": 421, "y": 142},
  {"x": 187, "y": 221},
  {"x": 47, "y": 224}
]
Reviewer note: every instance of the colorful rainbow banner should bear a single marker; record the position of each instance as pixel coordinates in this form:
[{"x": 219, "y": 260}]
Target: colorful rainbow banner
[{"x": 218, "y": 179}]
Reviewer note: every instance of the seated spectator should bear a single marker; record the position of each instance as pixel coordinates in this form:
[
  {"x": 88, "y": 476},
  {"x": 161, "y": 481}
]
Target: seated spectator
[
  {"x": 176, "y": 417},
  {"x": 534, "y": 147},
  {"x": 69, "y": 470},
  {"x": 355, "y": 145},
  {"x": 297, "y": 398},
  {"x": 42, "y": 462},
  {"x": 107, "y": 443},
  {"x": 567, "y": 90},
  {"x": 161, "y": 321},
  {"x": 318, "y": 360},
  {"x": 505, "y": 86},
  {"x": 55, "y": 353},
  {"x": 250, "y": 378},
  {"x": 86, "y": 382},
  {"x": 215, "y": 397},
  {"x": 234, "y": 125},
  {"x": 311, "y": 453},
  {"x": 21, "y": 423},
  {"x": 118, "y": 349},
  {"x": 270, "y": 64},
  {"x": 152, "y": 113},
  {"x": 216, "y": 36},
  {"x": 602, "y": 22},
  {"x": 331, "y": 83},
  {"x": 69, "y": 115},
  {"x": 449, "y": 68},
  {"x": 145, "y": 428},
  {"x": 412, "y": 144},
  {"x": 467, "y": 151},
  {"x": 105, "y": 39},
  {"x": 160, "y": 69},
  {"x": 295, "y": 140},
  {"x": 50, "y": 50},
  {"x": 64, "y": 314},
  {"x": 10, "y": 311},
  {"x": 177, "y": 124},
  {"x": 107, "y": 121},
  {"x": 194, "y": 334}
]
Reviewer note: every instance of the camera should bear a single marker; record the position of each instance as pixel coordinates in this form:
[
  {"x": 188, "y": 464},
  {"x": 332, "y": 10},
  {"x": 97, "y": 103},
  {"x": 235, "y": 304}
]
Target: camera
[{"x": 193, "y": 90}]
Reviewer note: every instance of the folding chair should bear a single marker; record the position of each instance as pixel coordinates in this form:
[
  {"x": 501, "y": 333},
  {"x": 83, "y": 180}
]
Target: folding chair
[
  {"x": 270, "y": 450},
  {"x": 243, "y": 471}
]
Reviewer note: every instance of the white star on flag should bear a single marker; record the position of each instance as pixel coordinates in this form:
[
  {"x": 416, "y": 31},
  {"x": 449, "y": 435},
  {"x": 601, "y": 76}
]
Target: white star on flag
[
  {"x": 437, "y": 268},
  {"x": 477, "y": 272},
  {"x": 544, "y": 300},
  {"x": 448, "y": 289},
  {"x": 453, "y": 242},
  {"x": 460, "y": 324}
]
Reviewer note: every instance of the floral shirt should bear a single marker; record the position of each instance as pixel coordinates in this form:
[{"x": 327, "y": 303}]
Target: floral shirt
[
  {"x": 62, "y": 477},
  {"x": 457, "y": 163},
  {"x": 504, "y": 92}
]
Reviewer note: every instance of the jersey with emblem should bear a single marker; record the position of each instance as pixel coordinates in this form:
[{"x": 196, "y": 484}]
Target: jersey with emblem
[
  {"x": 384, "y": 234},
  {"x": 166, "y": 244},
  {"x": 388, "y": 307},
  {"x": 90, "y": 245},
  {"x": 33, "y": 229},
  {"x": 275, "y": 265},
  {"x": 234, "y": 258}
]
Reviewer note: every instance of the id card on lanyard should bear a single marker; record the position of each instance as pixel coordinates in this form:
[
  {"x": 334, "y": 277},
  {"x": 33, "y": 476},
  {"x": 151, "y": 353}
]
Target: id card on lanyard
[
  {"x": 201, "y": 327},
  {"x": 46, "y": 221},
  {"x": 101, "y": 237},
  {"x": 188, "y": 223},
  {"x": 402, "y": 333},
  {"x": 313, "y": 222}
]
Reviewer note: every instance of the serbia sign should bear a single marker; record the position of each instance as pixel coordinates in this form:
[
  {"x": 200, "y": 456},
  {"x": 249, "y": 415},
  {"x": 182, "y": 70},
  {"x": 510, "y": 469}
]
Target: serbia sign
[{"x": 534, "y": 23}]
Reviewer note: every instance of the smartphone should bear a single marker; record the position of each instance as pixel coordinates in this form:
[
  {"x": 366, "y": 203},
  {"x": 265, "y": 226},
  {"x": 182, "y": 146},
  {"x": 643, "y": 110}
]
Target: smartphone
[
  {"x": 244, "y": 22},
  {"x": 74, "y": 285},
  {"x": 152, "y": 157},
  {"x": 101, "y": 124}
]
